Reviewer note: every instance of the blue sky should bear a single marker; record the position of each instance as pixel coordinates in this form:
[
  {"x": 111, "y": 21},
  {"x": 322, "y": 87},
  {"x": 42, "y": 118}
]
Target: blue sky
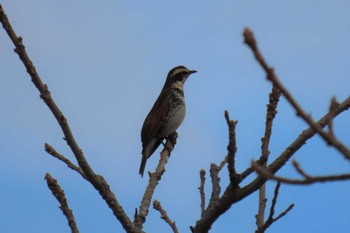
[{"x": 105, "y": 64}]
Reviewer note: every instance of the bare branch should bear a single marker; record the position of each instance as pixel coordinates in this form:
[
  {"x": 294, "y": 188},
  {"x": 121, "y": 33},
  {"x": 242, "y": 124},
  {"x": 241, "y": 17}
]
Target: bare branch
[
  {"x": 274, "y": 200},
  {"x": 154, "y": 179},
  {"x": 247, "y": 172},
  {"x": 251, "y": 42},
  {"x": 231, "y": 149},
  {"x": 290, "y": 207},
  {"x": 304, "y": 136},
  {"x": 215, "y": 180},
  {"x": 260, "y": 216},
  {"x": 332, "y": 108},
  {"x": 61, "y": 198},
  {"x": 233, "y": 194},
  {"x": 50, "y": 150},
  {"x": 201, "y": 191},
  {"x": 271, "y": 219},
  {"x": 266, "y": 174},
  {"x": 45, "y": 95},
  {"x": 164, "y": 216},
  {"x": 97, "y": 181},
  {"x": 270, "y": 115},
  {"x": 222, "y": 164},
  {"x": 300, "y": 170}
]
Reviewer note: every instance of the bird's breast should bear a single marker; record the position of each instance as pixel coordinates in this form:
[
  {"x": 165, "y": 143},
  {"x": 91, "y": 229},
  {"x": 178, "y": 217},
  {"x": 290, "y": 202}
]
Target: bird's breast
[{"x": 177, "y": 112}]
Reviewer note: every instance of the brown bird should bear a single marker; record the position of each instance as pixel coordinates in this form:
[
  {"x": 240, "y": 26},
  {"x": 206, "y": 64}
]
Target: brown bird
[{"x": 166, "y": 114}]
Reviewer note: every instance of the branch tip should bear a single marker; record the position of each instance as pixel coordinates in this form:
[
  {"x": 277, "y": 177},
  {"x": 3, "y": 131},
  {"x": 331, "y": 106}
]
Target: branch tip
[{"x": 249, "y": 38}]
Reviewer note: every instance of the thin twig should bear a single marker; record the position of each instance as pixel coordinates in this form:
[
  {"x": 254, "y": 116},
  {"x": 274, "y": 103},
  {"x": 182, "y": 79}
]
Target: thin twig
[
  {"x": 222, "y": 164},
  {"x": 264, "y": 172},
  {"x": 231, "y": 149},
  {"x": 249, "y": 170},
  {"x": 61, "y": 198},
  {"x": 50, "y": 150},
  {"x": 289, "y": 208},
  {"x": 216, "y": 189},
  {"x": 270, "y": 75},
  {"x": 332, "y": 108},
  {"x": 270, "y": 220},
  {"x": 154, "y": 180},
  {"x": 164, "y": 216},
  {"x": 300, "y": 170},
  {"x": 270, "y": 116},
  {"x": 201, "y": 190},
  {"x": 260, "y": 216},
  {"x": 274, "y": 200}
]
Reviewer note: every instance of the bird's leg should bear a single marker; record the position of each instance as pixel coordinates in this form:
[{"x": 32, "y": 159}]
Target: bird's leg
[{"x": 171, "y": 141}]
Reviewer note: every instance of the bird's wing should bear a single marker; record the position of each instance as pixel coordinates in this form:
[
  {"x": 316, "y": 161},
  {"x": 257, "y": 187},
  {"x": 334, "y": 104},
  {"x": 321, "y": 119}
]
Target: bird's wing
[{"x": 155, "y": 118}]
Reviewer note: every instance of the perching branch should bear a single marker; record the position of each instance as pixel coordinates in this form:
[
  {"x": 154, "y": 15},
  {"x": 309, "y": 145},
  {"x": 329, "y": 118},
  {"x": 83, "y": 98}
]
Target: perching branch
[
  {"x": 155, "y": 177},
  {"x": 61, "y": 198},
  {"x": 164, "y": 216},
  {"x": 270, "y": 75}
]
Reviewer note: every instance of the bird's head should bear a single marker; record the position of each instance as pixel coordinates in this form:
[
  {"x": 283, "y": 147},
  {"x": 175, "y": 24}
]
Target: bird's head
[{"x": 177, "y": 76}]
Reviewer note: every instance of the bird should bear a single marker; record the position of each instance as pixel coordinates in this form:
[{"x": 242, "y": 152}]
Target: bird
[{"x": 167, "y": 113}]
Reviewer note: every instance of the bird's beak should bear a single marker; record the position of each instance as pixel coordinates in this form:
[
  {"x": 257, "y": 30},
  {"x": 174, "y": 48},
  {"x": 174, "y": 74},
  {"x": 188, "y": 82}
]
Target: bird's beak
[{"x": 192, "y": 71}]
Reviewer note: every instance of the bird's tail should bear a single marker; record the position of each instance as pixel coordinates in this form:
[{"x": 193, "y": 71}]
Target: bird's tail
[{"x": 143, "y": 165}]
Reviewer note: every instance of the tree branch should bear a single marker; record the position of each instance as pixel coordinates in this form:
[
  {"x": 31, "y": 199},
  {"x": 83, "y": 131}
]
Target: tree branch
[
  {"x": 164, "y": 216},
  {"x": 271, "y": 219},
  {"x": 231, "y": 149},
  {"x": 233, "y": 194},
  {"x": 153, "y": 182},
  {"x": 332, "y": 108},
  {"x": 97, "y": 181},
  {"x": 201, "y": 191},
  {"x": 270, "y": 75},
  {"x": 267, "y": 174},
  {"x": 50, "y": 150},
  {"x": 222, "y": 164},
  {"x": 61, "y": 198},
  {"x": 270, "y": 115},
  {"x": 216, "y": 189},
  {"x": 260, "y": 216},
  {"x": 45, "y": 95}
]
